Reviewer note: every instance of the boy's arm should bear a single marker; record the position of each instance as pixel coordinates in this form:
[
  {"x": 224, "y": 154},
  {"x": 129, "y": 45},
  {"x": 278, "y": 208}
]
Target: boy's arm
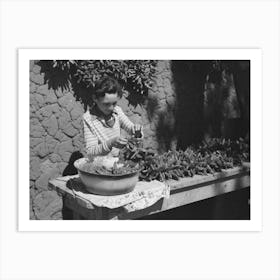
[
  {"x": 91, "y": 142},
  {"x": 125, "y": 122}
]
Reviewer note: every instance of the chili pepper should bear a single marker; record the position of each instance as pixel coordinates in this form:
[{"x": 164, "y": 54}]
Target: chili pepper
[
  {"x": 174, "y": 176},
  {"x": 161, "y": 177}
]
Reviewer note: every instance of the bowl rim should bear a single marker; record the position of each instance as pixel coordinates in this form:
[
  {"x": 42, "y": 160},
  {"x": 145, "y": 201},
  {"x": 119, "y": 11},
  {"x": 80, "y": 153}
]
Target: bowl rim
[{"x": 81, "y": 160}]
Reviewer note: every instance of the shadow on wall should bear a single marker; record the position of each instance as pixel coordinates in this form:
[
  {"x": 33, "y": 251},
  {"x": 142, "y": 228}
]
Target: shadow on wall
[
  {"x": 58, "y": 79},
  {"x": 54, "y": 77},
  {"x": 151, "y": 105},
  {"x": 241, "y": 72},
  {"x": 166, "y": 131},
  {"x": 180, "y": 124},
  {"x": 227, "y": 100},
  {"x": 222, "y": 115},
  {"x": 189, "y": 79}
]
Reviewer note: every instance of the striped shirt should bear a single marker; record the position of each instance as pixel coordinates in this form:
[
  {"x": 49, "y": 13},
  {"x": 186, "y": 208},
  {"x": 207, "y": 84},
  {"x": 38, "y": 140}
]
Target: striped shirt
[{"x": 96, "y": 134}]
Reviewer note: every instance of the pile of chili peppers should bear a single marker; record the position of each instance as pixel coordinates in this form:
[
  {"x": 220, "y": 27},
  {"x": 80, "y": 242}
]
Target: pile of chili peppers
[{"x": 207, "y": 158}]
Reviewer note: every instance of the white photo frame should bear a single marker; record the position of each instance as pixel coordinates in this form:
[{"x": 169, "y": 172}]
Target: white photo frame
[
  {"x": 254, "y": 55},
  {"x": 70, "y": 24}
]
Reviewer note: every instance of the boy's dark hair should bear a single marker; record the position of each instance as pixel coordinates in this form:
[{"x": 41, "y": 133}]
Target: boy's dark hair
[{"x": 107, "y": 85}]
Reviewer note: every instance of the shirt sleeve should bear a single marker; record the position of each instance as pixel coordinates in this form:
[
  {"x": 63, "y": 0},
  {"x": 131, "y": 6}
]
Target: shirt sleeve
[
  {"x": 125, "y": 122},
  {"x": 91, "y": 142}
]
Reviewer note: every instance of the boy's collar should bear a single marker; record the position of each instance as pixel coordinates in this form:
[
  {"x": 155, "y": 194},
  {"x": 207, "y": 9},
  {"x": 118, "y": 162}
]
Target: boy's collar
[{"x": 95, "y": 113}]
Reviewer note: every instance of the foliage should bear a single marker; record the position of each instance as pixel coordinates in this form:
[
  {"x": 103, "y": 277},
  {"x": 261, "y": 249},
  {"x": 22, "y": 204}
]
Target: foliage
[
  {"x": 58, "y": 73},
  {"x": 207, "y": 158},
  {"x": 135, "y": 76},
  {"x": 239, "y": 149},
  {"x": 63, "y": 64}
]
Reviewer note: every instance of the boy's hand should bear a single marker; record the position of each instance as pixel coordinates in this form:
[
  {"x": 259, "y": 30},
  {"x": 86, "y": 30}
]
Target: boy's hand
[
  {"x": 118, "y": 142},
  {"x": 137, "y": 131}
]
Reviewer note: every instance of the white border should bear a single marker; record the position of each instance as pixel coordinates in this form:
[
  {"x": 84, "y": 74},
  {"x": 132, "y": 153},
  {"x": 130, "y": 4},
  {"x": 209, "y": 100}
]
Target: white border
[{"x": 254, "y": 55}]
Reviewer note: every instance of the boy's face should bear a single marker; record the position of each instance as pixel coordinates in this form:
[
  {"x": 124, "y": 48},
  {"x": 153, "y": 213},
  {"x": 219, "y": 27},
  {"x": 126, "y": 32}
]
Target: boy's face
[{"x": 107, "y": 103}]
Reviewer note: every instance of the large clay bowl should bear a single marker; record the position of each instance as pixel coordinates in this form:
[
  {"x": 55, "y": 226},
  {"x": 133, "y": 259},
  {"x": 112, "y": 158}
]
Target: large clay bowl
[{"x": 107, "y": 184}]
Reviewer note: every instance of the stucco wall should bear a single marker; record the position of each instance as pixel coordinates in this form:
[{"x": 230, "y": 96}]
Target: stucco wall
[{"x": 56, "y": 132}]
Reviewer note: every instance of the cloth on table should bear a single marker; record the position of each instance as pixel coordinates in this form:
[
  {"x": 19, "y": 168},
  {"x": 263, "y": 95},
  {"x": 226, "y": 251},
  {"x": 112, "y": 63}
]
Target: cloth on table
[{"x": 144, "y": 195}]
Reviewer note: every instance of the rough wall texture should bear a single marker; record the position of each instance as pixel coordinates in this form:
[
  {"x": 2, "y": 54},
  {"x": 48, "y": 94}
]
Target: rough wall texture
[{"x": 56, "y": 132}]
